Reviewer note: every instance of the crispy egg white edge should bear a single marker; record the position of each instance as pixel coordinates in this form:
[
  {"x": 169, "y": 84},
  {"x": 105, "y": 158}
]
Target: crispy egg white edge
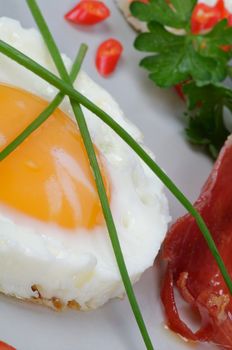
[{"x": 80, "y": 266}]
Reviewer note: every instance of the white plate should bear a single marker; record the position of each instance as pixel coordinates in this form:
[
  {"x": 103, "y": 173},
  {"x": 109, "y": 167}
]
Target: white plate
[{"x": 158, "y": 114}]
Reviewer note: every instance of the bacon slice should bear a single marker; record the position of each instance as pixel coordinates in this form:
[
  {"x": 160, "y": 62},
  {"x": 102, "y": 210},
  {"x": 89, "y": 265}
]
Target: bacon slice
[{"x": 191, "y": 267}]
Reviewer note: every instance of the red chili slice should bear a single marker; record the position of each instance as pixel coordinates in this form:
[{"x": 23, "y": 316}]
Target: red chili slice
[
  {"x": 179, "y": 90},
  {"x": 88, "y": 12},
  {"x": 230, "y": 20},
  {"x": 4, "y": 346},
  {"x": 220, "y": 5},
  {"x": 108, "y": 55},
  {"x": 205, "y": 17}
]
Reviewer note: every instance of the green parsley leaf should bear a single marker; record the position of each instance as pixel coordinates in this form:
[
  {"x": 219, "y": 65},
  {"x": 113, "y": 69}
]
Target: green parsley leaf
[
  {"x": 198, "y": 62},
  {"x": 183, "y": 8},
  {"x": 176, "y": 58},
  {"x": 175, "y": 13},
  {"x": 164, "y": 69},
  {"x": 159, "y": 40},
  {"x": 206, "y": 108},
  {"x": 212, "y": 44}
]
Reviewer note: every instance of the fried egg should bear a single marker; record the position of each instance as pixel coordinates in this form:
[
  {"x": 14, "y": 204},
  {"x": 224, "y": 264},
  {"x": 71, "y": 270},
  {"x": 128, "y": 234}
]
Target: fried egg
[{"x": 54, "y": 245}]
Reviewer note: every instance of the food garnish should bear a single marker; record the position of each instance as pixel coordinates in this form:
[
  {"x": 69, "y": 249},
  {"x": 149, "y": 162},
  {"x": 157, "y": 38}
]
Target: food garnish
[
  {"x": 88, "y": 12},
  {"x": 108, "y": 55},
  {"x": 191, "y": 268},
  {"x": 76, "y": 98},
  {"x": 192, "y": 46}
]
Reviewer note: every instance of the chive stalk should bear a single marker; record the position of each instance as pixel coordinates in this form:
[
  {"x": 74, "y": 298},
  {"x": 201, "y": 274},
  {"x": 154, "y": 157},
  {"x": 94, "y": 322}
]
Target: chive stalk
[
  {"x": 64, "y": 87},
  {"x": 56, "y": 56},
  {"x": 35, "y": 124}
]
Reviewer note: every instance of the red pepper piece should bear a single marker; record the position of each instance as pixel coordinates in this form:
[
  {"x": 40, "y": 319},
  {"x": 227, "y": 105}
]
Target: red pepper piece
[
  {"x": 220, "y": 5},
  {"x": 88, "y": 12},
  {"x": 230, "y": 20},
  {"x": 4, "y": 346},
  {"x": 179, "y": 90},
  {"x": 108, "y": 55},
  {"x": 204, "y": 17}
]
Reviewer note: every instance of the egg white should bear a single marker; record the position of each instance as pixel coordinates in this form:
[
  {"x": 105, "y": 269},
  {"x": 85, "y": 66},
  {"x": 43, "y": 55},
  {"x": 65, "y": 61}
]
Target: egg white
[{"x": 80, "y": 266}]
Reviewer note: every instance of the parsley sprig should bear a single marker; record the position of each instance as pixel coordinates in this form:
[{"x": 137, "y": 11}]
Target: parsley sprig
[
  {"x": 199, "y": 61},
  {"x": 206, "y": 118}
]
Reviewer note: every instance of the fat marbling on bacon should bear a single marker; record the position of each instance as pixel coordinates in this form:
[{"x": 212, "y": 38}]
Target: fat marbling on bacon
[{"x": 191, "y": 267}]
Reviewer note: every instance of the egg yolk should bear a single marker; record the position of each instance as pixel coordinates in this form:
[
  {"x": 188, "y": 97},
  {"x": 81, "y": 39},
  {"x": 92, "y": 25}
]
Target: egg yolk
[{"x": 48, "y": 177}]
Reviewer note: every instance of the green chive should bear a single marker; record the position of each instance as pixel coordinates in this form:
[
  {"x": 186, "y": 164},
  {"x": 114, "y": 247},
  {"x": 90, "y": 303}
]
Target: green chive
[
  {"x": 43, "y": 73},
  {"x": 48, "y": 111},
  {"x": 55, "y": 54}
]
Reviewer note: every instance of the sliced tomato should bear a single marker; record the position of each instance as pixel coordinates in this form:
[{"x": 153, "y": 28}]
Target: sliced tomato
[
  {"x": 88, "y": 12},
  {"x": 4, "y": 346},
  {"x": 108, "y": 55},
  {"x": 191, "y": 266}
]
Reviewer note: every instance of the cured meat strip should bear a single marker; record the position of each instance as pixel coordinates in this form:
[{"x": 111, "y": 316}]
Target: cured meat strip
[{"x": 191, "y": 267}]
